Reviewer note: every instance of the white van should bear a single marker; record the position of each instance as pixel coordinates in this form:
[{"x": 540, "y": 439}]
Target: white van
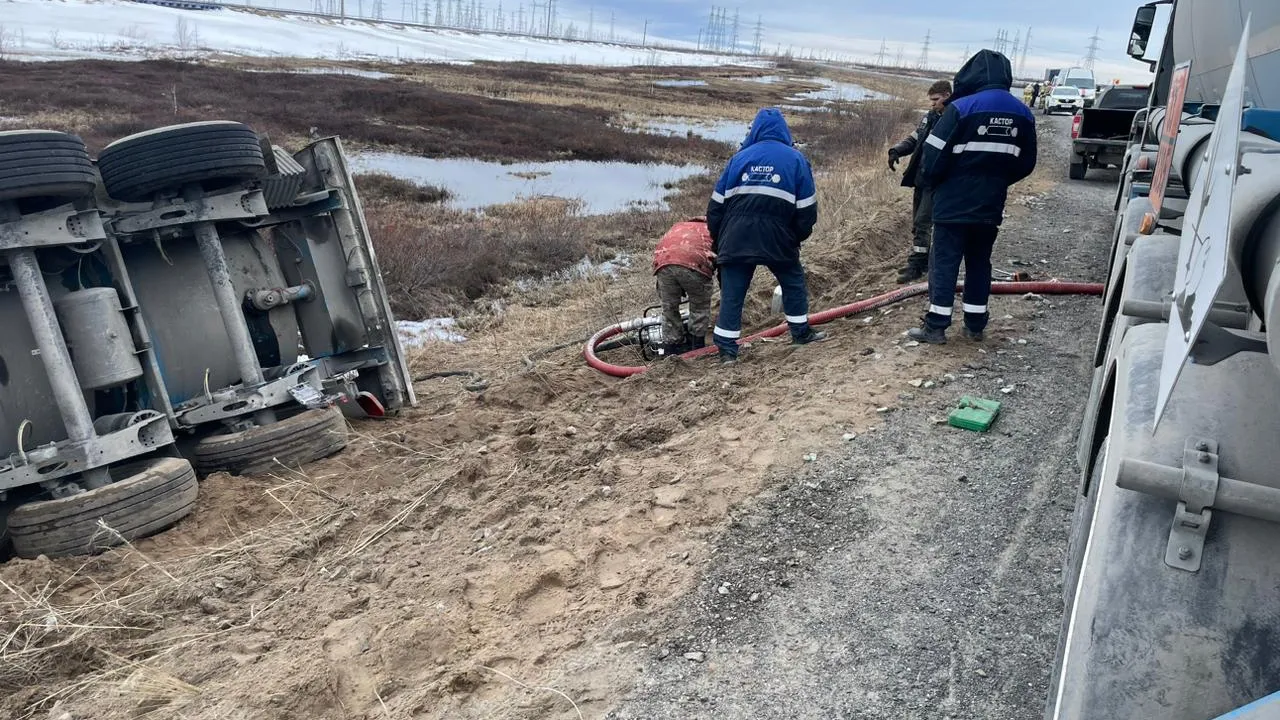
[{"x": 1081, "y": 79}]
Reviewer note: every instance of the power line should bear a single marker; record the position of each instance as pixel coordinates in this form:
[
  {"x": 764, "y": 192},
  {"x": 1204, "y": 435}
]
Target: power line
[
  {"x": 1092, "y": 56},
  {"x": 898, "y": 62},
  {"x": 759, "y": 35},
  {"x": 923, "y": 62},
  {"x": 881, "y": 55},
  {"x": 1026, "y": 46}
]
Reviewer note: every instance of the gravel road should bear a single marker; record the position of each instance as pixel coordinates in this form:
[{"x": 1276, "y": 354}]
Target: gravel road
[{"x": 918, "y": 573}]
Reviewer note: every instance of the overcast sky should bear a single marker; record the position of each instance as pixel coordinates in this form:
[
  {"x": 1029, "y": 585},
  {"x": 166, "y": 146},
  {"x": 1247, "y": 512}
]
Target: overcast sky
[
  {"x": 852, "y": 29},
  {"x": 1060, "y": 31}
]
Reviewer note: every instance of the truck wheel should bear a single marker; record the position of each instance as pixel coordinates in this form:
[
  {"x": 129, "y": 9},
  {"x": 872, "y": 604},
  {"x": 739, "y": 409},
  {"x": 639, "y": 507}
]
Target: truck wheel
[
  {"x": 212, "y": 154},
  {"x": 1077, "y": 170},
  {"x": 149, "y": 496},
  {"x": 305, "y": 437},
  {"x": 44, "y": 164}
]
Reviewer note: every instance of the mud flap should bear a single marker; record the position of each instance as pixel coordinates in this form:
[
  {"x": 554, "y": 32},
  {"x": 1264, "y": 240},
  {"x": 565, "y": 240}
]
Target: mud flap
[
  {"x": 1146, "y": 640},
  {"x": 352, "y": 320}
]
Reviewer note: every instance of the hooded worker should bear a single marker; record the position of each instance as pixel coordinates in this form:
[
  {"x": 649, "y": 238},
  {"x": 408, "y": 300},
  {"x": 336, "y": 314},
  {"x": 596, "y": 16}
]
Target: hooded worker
[
  {"x": 764, "y": 206},
  {"x": 921, "y": 198},
  {"x": 984, "y": 142}
]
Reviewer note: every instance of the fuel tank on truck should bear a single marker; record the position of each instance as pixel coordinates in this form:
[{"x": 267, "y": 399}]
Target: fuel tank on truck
[{"x": 1207, "y": 32}]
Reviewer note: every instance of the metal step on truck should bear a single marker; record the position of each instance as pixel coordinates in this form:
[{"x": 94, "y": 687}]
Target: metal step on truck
[
  {"x": 1172, "y": 578},
  {"x": 195, "y": 300}
]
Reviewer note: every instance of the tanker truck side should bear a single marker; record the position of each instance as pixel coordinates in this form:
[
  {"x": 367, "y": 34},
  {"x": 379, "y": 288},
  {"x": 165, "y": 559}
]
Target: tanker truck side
[{"x": 1172, "y": 578}]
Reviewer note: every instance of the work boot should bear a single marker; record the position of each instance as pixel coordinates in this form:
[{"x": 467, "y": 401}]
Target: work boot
[
  {"x": 810, "y": 336},
  {"x": 910, "y": 274},
  {"x": 974, "y": 335},
  {"x": 926, "y": 334},
  {"x": 728, "y": 358}
]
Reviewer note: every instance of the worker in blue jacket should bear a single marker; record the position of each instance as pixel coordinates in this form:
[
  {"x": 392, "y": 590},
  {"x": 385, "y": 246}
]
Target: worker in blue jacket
[
  {"x": 764, "y": 205},
  {"x": 984, "y": 142}
]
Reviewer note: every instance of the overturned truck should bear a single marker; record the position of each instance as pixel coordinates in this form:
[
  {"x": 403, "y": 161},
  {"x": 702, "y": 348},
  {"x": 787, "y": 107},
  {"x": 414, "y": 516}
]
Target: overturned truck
[
  {"x": 196, "y": 300},
  {"x": 1171, "y": 584}
]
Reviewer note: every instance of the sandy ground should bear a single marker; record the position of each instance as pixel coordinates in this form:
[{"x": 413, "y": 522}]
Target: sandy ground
[{"x": 565, "y": 530}]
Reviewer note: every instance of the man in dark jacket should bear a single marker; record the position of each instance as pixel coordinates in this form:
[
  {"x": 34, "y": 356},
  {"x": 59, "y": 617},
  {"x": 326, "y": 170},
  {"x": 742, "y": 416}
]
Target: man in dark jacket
[
  {"x": 764, "y": 205},
  {"x": 922, "y": 199},
  {"x": 984, "y": 142}
]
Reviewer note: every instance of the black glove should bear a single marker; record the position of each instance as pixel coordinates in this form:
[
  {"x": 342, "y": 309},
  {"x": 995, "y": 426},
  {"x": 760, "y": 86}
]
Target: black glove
[{"x": 893, "y": 159}]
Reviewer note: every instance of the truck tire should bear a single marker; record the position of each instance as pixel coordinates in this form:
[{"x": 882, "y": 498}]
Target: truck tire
[
  {"x": 1076, "y": 170},
  {"x": 44, "y": 164},
  {"x": 211, "y": 154},
  {"x": 150, "y": 496},
  {"x": 303, "y": 438}
]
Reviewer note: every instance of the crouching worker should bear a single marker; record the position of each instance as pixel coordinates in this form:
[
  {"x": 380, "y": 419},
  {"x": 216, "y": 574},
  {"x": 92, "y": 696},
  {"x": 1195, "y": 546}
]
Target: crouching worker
[
  {"x": 683, "y": 265},
  {"x": 764, "y": 206}
]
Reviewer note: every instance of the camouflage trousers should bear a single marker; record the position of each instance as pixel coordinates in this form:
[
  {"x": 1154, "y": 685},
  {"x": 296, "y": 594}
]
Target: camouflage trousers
[{"x": 674, "y": 283}]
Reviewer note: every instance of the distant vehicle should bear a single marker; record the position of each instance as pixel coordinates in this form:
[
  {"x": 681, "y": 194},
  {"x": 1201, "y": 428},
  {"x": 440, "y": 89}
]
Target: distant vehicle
[
  {"x": 1083, "y": 81},
  {"x": 1051, "y": 74},
  {"x": 1100, "y": 134},
  {"x": 1063, "y": 98}
]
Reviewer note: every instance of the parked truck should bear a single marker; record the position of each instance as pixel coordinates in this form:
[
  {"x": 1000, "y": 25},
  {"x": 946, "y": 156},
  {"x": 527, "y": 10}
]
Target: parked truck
[
  {"x": 1172, "y": 577},
  {"x": 1100, "y": 134}
]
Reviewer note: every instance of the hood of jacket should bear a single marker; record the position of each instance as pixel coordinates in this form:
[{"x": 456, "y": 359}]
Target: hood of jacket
[
  {"x": 768, "y": 125},
  {"x": 987, "y": 70}
]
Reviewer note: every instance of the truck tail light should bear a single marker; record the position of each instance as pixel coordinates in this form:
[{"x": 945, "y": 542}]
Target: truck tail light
[{"x": 1075, "y": 126}]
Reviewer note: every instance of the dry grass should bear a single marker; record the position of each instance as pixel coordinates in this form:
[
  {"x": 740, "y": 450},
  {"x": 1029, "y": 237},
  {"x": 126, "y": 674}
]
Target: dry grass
[
  {"x": 386, "y": 188},
  {"x": 119, "y": 634}
]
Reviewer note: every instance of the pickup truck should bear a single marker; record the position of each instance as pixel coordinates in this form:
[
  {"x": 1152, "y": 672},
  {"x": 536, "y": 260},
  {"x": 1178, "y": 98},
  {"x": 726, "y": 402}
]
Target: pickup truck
[{"x": 1100, "y": 134}]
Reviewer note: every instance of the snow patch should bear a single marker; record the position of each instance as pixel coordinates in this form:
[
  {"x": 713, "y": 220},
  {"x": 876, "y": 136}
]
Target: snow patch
[
  {"x": 680, "y": 83},
  {"x": 417, "y": 333},
  {"x": 584, "y": 269},
  {"x": 116, "y": 29}
]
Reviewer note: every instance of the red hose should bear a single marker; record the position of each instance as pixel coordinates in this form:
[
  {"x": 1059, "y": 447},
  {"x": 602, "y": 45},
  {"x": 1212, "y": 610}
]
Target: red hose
[{"x": 879, "y": 301}]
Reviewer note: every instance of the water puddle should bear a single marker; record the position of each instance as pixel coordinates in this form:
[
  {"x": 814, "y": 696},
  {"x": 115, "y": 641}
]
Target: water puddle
[
  {"x": 725, "y": 131},
  {"x": 601, "y": 187},
  {"x": 834, "y": 91},
  {"x": 372, "y": 74},
  {"x": 416, "y": 333},
  {"x": 680, "y": 83},
  {"x": 764, "y": 79}
]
